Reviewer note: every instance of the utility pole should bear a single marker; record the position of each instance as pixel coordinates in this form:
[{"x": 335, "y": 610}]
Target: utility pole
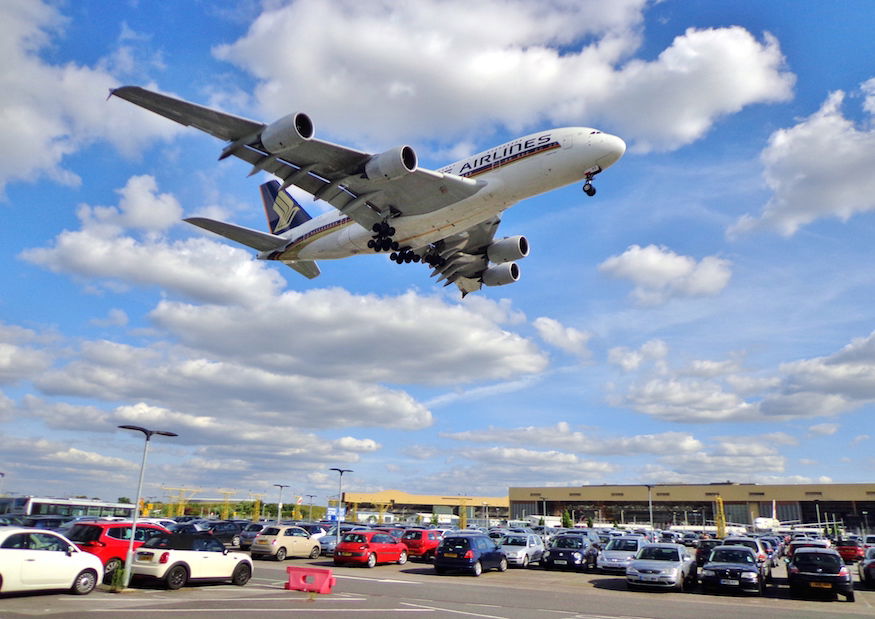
[
  {"x": 279, "y": 508},
  {"x": 311, "y": 497}
]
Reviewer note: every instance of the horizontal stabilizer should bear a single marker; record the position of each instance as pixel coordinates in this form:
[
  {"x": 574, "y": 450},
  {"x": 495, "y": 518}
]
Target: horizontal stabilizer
[
  {"x": 245, "y": 236},
  {"x": 307, "y": 268}
]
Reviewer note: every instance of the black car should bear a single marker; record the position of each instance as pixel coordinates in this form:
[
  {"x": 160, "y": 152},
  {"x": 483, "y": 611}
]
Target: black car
[
  {"x": 732, "y": 568},
  {"x": 469, "y": 552},
  {"x": 819, "y": 570},
  {"x": 574, "y": 552},
  {"x": 226, "y": 531},
  {"x": 704, "y": 548}
]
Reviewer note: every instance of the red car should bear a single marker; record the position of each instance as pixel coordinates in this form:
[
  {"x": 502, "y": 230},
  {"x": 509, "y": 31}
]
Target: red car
[
  {"x": 421, "y": 543},
  {"x": 109, "y": 540},
  {"x": 369, "y": 548},
  {"x": 850, "y": 550}
]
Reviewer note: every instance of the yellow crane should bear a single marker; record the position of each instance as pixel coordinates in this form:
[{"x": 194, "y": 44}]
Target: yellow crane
[
  {"x": 256, "y": 506},
  {"x": 720, "y": 517},
  {"x": 226, "y": 504},
  {"x": 184, "y": 494}
]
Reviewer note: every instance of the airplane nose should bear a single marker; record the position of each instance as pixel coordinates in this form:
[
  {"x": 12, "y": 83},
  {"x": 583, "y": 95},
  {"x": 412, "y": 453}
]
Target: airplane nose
[{"x": 613, "y": 147}]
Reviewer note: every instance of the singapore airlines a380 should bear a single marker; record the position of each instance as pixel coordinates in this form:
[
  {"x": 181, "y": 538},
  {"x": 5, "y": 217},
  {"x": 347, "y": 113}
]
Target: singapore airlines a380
[{"x": 445, "y": 218}]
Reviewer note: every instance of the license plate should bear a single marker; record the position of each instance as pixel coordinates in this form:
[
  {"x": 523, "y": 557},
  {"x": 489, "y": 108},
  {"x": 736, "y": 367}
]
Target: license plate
[
  {"x": 345, "y": 554},
  {"x": 649, "y": 578},
  {"x": 821, "y": 585},
  {"x": 560, "y": 562},
  {"x": 144, "y": 556},
  {"x": 728, "y": 581},
  {"x": 451, "y": 555}
]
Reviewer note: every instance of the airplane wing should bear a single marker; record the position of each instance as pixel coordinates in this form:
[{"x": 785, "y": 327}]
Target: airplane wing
[{"x": 329, "y": 172}]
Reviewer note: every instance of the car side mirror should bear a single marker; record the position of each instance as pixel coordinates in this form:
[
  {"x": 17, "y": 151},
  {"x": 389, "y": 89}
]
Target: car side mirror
[
  {"x": 69, "y": 551},
  {"x": 224, "y": 551}
]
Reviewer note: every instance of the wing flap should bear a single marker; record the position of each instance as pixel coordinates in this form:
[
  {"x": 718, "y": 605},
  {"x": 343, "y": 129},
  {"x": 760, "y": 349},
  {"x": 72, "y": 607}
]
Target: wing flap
[{"x": 261, "y": 241}]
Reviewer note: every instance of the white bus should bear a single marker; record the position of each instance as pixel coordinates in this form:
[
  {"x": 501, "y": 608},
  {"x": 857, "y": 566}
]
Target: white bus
[{"x": 46, "y": 506}]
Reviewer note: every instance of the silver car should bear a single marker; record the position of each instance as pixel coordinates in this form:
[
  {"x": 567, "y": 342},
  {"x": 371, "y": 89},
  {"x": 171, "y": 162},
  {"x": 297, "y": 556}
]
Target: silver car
[
  {"x": 522, "y": 549},
  {"x": 618, "y": 554},
  {"x": 662, "y": 566}
]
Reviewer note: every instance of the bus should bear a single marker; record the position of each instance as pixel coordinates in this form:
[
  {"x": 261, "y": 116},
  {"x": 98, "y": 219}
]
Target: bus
[{"x": 71, "y": 508}]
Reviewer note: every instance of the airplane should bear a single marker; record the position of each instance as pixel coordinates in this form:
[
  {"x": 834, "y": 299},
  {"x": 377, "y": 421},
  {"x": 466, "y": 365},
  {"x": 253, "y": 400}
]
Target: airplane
[{"x": 446, "y": 218}]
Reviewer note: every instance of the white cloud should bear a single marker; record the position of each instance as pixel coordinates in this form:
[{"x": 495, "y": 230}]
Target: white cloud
[
  {"x": 629, "y": 360},
  {"x": 115, "y": 318},
  {"x": 659, "y": 274},
  {"x": 569, "y": 339},
  {"x": 819, "y": 168},
  {"x": 19, "y": 362},
  {"x": 823, "y": 429},
  {"x": 688, "y": 401}
]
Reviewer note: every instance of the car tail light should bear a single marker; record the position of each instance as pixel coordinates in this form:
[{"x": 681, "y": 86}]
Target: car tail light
[
  {"x": 844, "y": 571},
  {"x": 165, "y": 557},
  {"x": 469, "y": 554},
  {"x": 792, "y": 569}
]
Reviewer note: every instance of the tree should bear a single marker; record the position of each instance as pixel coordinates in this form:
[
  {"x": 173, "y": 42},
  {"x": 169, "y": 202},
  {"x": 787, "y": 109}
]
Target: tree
[
  {"x": 566, "y": 520},
  {"x": 124, "y": 499},
  {"x": 434, "y": 518}
]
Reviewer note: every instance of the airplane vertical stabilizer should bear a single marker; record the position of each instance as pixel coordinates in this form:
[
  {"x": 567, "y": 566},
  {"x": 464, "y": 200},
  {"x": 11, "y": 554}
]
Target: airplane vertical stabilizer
[{"x": 282, "y": 210}]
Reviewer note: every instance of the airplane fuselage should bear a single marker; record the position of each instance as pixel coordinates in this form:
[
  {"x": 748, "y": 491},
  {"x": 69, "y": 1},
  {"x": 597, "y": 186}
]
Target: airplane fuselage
[{"x": 511, "y": 172}]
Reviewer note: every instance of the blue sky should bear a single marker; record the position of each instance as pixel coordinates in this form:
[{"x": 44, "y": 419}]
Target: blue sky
[{"x": 706, "y": 316}]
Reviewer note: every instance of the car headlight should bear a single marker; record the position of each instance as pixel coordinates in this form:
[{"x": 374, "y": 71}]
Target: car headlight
[
  {"x": 709, "y": 573},
  {"x": 749, "y": 575},
  {"x": 631, "y": 570},
  {"x": 577, "y": 556}
]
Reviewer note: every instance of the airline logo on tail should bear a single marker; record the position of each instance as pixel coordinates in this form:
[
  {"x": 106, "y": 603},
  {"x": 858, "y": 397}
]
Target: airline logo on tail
[{"x": 283, "y": 213}]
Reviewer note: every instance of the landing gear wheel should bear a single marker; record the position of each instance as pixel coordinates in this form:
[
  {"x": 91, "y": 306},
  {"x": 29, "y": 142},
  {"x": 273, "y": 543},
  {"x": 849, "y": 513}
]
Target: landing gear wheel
[{"x": 588, "y": 189}]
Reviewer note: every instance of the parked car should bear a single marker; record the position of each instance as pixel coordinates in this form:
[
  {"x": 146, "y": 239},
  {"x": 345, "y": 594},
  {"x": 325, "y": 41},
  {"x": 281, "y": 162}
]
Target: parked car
[
  {"x": 470, "y": 552},
  {"x": 869, "y": 542},
  {"x": 569, "y": 551},
  {"x": 690, "y": 540},
  {"x": 316, "y": 531},
  {"x": 282, "y": 541},
  {"x": 421, "y": 543},
  {"x": 177, "y": 559},
  {"x": 226, "y": 531},
  {"x": 395, "y": 532},
  {"x": 522, "y": 549},
  {"x": 759, "y": 549},
  {"x": 369, "y": 548},
  {"x": 664, "y": 566},
  {"x": 49, "y": 523},
  {"x": 110, "y": 540},
  {"x": 819, "y": 570},
  {"x": 249, "y": 533},
  {"x": 866, "y": 568},
  {"x": 850, "y": 550},
  {"x": 39, "y": 560},
  {"x": 804, "y": 543},
  {"x": 703, "y": 550},
  {"x": 732, "y": 568},
  {"x": 619, "y": 552}
]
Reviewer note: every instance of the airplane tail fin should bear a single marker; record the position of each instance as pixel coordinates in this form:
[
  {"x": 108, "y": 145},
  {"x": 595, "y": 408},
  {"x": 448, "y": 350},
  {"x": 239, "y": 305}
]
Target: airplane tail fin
[{"x": 282, "y": 210}]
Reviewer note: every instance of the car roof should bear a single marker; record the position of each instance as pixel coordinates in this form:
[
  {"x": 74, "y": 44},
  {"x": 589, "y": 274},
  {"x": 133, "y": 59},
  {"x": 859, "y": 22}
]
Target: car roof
[{"x": 736, "y": 547}]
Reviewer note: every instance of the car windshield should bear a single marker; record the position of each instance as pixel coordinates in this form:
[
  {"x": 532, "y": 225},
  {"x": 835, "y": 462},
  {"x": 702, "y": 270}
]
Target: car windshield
[
  {"x": 623, "y": 544},
  {"x": 568, "y": 542},
  {"x": 411, "y": 535},
  {"x": 357, "y": 538},
  {"x": 729, "y": 555},
  {"x": 513, "y": 540},
  {"x": 818, "y": 561},
  {"x": 655, "y": 553}
]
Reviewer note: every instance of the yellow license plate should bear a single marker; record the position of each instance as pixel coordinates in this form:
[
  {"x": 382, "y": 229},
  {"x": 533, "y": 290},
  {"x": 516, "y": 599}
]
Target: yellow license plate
[
  {"x": 451, "y": 555},
  {"x": 345, "y": 554},
  {"x": 821, "y": 585}
]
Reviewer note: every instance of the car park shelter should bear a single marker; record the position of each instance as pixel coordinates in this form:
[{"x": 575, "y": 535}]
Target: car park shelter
[
  {"x": 404, "y": 506},
  {"x": 695, "y": 504}
]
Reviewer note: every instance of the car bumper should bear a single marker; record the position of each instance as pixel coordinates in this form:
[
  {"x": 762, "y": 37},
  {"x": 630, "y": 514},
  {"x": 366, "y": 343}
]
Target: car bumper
[
  {"x": 814, "y": 586},
  {"x": 262, "y": 550},
  {"x": 340, "y": 557},
  {"x": 657, "y": 581},
  {"x": 563, "y": 564},
  {"x": 730, "y": 584}
]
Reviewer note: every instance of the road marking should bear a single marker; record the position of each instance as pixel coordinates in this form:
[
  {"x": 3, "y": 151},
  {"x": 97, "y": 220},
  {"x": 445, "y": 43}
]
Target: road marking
[
  {"x": 450, "y": 610},
  {"x": 403, "y": 582}
]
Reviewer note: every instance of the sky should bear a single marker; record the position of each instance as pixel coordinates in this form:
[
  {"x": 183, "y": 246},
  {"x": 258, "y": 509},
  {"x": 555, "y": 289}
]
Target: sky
[{"x": 707, "y": 316}]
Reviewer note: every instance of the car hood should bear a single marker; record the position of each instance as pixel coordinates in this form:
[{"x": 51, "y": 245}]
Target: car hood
[
  {"x": 617, "y": 554},
  {"x": 746, "y": 567},
  {"x": 646, "y": 564}
]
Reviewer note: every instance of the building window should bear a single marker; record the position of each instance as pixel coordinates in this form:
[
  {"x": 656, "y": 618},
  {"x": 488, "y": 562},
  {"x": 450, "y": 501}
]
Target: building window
[
  {"x": 573, "y": 494},
  {"x": 616, "y": 494},
  {"x": 663, "y": 494},
  {"x": 712, "y": 494},
  {"x": 814, "y": 494},
  {"x": 756, "y": 494},
  {"x": 534, "y": 494}
]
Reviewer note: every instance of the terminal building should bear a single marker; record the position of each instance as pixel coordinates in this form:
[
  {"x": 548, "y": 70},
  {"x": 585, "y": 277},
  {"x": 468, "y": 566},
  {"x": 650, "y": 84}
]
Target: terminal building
[
  {"x": 397, "y": 506},
  {"x": 852, "y": 505}
]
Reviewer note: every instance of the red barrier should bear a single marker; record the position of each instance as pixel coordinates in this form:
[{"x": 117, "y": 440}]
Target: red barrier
[{"x": 312, "y": 579}]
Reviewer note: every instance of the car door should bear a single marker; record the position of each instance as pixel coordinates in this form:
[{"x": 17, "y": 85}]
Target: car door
[
  {"x": 211, "y": 559},
  {"x": 46, "y": 562},
  {"x": 303, "y": 542}
]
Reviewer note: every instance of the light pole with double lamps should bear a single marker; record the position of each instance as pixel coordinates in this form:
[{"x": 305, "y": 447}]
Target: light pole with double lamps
[{"x": 339, "y": 498}]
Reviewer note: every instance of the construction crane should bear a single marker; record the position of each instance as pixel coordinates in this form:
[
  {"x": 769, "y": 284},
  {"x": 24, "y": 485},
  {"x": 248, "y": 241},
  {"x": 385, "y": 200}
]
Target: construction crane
[
  {"x": 226, "y": 504},
  {"x": 181, "y": 499},
  {"x": 720, "y": 517},
  {"x": 256, "y": 506}
]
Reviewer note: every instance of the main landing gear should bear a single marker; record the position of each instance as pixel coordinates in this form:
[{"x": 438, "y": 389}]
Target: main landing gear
[{"x": 382, "y": 239}]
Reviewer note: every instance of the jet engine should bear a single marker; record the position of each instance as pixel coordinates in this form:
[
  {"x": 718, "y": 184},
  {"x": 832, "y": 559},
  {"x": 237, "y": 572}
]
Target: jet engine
[
  {"x": 287, "y": 133},
  {"x": 502, "y": 274},
  {"x": 392, "y": 164},
  {"x": 507, "y": 250}
]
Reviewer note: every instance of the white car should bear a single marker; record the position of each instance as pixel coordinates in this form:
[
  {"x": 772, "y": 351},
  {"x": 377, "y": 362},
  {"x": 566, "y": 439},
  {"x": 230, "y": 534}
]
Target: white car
[
  {"x": 522, "y": 549},
  {"x": 618, "y": 554},
  {"x": 36, "y": 559},
  {"x": 177, "y": 559}
]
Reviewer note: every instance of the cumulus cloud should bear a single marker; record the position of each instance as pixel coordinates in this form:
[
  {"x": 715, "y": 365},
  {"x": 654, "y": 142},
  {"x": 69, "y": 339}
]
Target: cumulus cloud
[
  {"x": 379, "y": 75},
  {"x": 823, "y": 429},
  {"x": 629, "y": 360},
  {"x": 659, "y": 274},
  {"x": 819, "y": 168},
  {"x": 569, "y": 339}
]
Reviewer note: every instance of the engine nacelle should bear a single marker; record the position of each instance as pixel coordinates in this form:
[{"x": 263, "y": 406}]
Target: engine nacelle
[
  {"x": 507, "y": 250},
  {"x": 392, "y": 164},
  {"x": 287, "y": 133},
  {"x": 501, "y": 274}
]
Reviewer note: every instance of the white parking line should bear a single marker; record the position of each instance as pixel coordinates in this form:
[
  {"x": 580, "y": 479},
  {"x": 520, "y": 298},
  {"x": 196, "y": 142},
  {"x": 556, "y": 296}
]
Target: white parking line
[{"x": 450, "y": 610}]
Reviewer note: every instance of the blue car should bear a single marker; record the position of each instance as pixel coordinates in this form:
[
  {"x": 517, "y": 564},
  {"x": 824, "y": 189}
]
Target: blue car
[{"x": 469, "y": 552}]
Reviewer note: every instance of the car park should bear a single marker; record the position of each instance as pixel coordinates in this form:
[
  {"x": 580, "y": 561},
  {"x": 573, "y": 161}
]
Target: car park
[
  {"x": 763, "y": 560},
  {"x": 522, "y": 549},
  {"x": 819, "y": 570},
  {"x": 866, "y": 568},
  {"x": 281, "y": 541},
  {"x": 662, "y": 566},
  {"x": 226, "y": 531},
  {"x": 369, "y": 548},
  {"x": 110, "y": 540},
  {"x": 850, "y": 550},
  {"x": 39, "y": 560},
  {"x": 469, "y": 552},
  {"x": 732, "y": 568},
  {"x": 704, "y": 548},
  {"x": 421, "y": 543},
  {"x": 569, "y": 551},
  {"x": 804, "y": 543},
  {"x": 618, "y": 553},
  {"x": 178, "y": 559}
]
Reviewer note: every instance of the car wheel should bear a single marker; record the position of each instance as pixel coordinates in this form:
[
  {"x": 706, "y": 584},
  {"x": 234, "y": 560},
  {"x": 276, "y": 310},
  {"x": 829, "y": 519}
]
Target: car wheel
[
  {"x": 235, "y": 541},
  {"x": 525, "y": 562},
  {"x": 176, "y": 577},
  {"x": 315, "y": 552},
  {"x": 477, "y": 569},
  {"x": 849, "y": 596},
  {"x": 281, "y": 554},
  {"x": 85, "y": 582},
  {"x": 682, "y": 584},
  {"x": 109, "y": 569},
  {"x": 502, "y": 565},
  {"x": 242, "y": 574},
  {"x": 402, "y": 559},
  {"x": 254, "y": 557},
  {"x": 440, "y": 571},
  {"x": 429, "y": 556},
  {"x": 372, "y": 560}
]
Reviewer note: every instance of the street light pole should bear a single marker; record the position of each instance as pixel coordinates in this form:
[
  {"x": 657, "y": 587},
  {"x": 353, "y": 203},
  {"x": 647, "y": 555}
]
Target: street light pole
[
  {"x": 865, "y": 522},
  {"x": 129, "y": 561},
  {"x": 279, "y": 508},
  {"x": 311, "y": 497},
  {"x": 650, "y": 505},
  {"x": 339, "y": 497}
]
